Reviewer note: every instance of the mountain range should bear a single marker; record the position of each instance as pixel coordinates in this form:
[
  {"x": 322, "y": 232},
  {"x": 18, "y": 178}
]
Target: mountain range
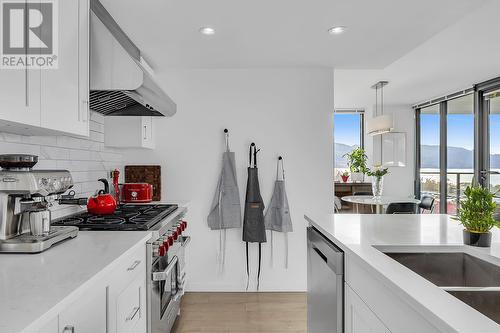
[{"x": 458, "y": 158}]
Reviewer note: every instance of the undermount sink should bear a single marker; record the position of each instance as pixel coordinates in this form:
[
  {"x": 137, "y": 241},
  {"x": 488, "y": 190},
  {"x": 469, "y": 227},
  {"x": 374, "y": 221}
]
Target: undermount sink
[{"x": 472, "y": 280}]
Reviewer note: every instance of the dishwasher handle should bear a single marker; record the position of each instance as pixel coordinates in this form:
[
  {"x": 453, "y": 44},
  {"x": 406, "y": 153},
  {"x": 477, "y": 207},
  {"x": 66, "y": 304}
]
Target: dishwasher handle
[{"x": 326, "y": 250}]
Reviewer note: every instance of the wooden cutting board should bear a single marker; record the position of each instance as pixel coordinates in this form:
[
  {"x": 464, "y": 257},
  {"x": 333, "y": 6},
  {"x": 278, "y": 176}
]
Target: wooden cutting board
[{"x": 150, "y": 174}]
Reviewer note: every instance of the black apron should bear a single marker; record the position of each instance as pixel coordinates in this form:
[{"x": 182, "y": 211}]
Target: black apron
[{"x": 254, "y": 230}]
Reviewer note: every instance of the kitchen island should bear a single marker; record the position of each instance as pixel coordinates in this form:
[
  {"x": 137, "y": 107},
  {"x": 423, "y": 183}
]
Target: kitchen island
[{"x": 382, "y": 295}]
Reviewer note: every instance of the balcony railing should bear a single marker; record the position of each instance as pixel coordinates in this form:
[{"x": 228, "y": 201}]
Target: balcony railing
[{"x": 457, "y": 182}]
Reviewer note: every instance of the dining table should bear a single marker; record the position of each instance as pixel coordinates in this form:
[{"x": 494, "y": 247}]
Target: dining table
[{"x": 379, "y": 202}]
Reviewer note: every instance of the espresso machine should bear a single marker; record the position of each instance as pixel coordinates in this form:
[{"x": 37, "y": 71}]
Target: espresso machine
[{"x": 26, "y": 196}]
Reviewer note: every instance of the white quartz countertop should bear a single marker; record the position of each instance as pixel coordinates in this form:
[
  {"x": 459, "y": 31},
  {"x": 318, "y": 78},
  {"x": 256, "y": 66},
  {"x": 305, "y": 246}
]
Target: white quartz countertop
[
  {"x": 32, "y": 285},
  {"x": 364, "y": 236}
]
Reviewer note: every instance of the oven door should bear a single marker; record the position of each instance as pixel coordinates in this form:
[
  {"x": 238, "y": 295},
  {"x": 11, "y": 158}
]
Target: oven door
[{"x": 165, "y": 295}]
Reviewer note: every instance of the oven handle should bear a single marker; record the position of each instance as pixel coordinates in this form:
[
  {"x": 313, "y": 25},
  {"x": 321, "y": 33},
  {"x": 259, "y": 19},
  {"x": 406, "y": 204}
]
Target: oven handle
[{"x": 163, "y": 275}]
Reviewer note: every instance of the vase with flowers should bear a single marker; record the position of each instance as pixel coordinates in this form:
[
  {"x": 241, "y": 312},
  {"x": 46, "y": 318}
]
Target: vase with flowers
[{"x": 377, "y": 174}]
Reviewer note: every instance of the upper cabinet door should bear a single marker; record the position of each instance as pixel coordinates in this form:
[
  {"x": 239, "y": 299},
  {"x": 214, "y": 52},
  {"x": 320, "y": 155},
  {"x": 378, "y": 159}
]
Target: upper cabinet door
[
  {"x": 64, "y": 91},
  {"x": 20, "y": 92},
  {"x": 20, "y": 96}
]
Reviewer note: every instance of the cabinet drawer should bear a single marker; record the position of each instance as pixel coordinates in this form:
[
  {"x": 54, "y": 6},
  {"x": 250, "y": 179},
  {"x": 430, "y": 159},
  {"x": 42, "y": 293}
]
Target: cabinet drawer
[
  {"x": 129, "y": 267},
  {"x": 130, "y": 307}
]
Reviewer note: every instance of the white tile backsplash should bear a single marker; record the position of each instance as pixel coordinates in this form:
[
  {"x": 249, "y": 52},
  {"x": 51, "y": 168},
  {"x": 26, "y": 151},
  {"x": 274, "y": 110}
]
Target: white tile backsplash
[{"x": 86, "y": 159}]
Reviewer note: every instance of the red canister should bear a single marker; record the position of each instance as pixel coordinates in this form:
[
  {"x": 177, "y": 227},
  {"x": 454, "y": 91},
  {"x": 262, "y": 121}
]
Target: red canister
[{"x": 137, "y": 192}]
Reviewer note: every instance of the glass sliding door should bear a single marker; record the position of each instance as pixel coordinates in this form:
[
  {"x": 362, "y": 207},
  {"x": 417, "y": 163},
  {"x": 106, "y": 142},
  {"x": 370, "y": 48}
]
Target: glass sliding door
[
  {"x": 429, "y": 124},
  {"x": 446, "y": 151},
  {"x": 492, "y": 108},
  {"x": 459, "y": 150}
]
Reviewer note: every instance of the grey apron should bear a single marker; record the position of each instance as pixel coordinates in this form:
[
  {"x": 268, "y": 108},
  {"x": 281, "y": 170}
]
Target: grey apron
[
  {"x": 277, "y": 216},
  {"x": 225, "y": 211},
  {"x": 253, "y": 221}
]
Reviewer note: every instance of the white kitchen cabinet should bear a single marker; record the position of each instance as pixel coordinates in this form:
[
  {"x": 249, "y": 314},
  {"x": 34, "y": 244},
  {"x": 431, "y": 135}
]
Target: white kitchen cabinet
[
  {"x": 358, "y": 316},
  {"x": 129, "y": 132},
  {"x": 86, "y": 315},
  {"x": 64, "y": 91},
  {"x": 127, "y": 294},
  {"x": 20, "y": 96},
  {"x": 131, "y": 307},
  {"x": 52, "y": 101}
]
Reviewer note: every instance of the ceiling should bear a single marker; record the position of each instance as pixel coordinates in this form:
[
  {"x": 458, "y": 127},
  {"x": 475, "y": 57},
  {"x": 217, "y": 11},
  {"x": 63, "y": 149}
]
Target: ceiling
[{"x": 282, "y": 33}]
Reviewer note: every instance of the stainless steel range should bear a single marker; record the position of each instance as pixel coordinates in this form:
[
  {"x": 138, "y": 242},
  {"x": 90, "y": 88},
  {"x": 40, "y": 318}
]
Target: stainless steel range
[
  {"x": 166, "y": 269},
  {"x": 25, "y": 198},
  {"x": 166, "y": 275}
]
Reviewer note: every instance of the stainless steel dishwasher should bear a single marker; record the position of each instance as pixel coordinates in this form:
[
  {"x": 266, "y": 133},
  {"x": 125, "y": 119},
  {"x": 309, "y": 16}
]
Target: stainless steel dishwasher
[{"x": 325, "y": 285}]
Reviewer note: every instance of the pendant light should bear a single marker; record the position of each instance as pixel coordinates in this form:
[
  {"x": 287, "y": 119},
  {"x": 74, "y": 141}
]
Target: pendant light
[{"x": 380, "y": 123}]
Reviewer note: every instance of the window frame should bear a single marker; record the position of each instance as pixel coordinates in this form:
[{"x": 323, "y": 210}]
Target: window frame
[{"x": 361, "y": 113}]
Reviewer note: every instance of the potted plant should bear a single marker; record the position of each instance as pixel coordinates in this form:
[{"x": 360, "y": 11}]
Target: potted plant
[
  {"x": 356, "y": 160},
  {"x": 377, "y": 174},
  {"x": 345, "y": 176},
  {"x": 476, "y": 215}
]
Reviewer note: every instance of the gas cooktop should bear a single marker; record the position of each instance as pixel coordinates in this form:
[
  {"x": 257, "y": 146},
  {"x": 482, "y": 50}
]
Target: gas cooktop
[{"x": 126, "y": 217}]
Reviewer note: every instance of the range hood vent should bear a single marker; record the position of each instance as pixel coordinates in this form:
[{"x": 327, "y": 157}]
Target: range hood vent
[
  {"x": 119, "y": 103},
  {"x": 121, "y": 81}
]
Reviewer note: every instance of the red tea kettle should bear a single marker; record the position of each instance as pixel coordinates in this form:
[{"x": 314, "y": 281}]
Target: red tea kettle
[{"x": 103, "y": 203}]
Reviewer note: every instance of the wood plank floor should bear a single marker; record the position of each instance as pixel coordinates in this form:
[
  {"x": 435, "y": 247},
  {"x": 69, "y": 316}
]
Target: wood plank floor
[{"x": 243, "y": 312}]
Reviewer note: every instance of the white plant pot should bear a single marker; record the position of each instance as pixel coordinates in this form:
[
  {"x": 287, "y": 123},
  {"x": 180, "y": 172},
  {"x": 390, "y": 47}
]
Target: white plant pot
[{"x": 357, "y": 177}]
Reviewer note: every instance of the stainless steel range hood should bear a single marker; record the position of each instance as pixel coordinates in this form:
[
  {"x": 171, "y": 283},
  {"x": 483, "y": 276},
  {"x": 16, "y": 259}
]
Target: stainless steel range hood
[{"x": 121, "y": 81}]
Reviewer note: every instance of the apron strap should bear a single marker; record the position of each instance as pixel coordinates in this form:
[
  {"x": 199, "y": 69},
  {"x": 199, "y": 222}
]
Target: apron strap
[
  {"x": 280, "y": 159},
  {"x": 272, "y": 250},
  {"x": 248, "y": 269},
  {"x": 252, "y": 153},
  {"x": 226, "y": 135},
  {"x": 286, "y": 250},
  {"x": 260, "y": 259}
]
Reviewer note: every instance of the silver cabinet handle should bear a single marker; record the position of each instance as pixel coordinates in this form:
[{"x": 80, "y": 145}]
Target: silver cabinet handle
[
  {"x": 145, "y": 132},
  {"x": 133, "y": 313},
  {"x": 82, "y": 114},
  {"x": 26, "y": 87},
  {"x": 134, "y": 265},
  {"x": 69, "y": 329}
]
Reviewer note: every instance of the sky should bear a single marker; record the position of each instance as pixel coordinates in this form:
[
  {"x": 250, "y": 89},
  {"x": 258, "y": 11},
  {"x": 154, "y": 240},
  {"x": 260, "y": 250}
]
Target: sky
[
  {"x": 346, "y": 128},
  {"x": 460, "y": 131}
]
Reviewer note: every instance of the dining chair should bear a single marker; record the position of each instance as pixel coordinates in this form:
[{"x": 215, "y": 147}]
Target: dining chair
[
  {"x": 362, "y": 193},
  {"x": 337, "y": 204},
  {"x": 402, "y": 208},
  {"x": 427, "y": 203}
]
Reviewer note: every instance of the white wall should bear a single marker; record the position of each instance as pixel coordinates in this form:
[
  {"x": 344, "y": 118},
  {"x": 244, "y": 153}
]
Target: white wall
[
  {"x": 461, "y": 55},
  {"x": 285, "y": 112},
  {"x": 86, "y": 159}
]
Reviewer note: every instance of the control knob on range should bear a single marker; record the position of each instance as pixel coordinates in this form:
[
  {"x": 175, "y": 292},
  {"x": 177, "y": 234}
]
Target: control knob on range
[
  {"x": 162, "y": 250},
  {"x": 159, "y": 249},
  {"x": 183, "y": 225},
  {"x": 170, "y": 240}
]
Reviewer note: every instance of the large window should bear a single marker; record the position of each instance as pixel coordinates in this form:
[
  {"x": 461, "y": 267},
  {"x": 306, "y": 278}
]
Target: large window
[
  {"x": 348, "y": 135},
  {"x": 446, "y": 151}
]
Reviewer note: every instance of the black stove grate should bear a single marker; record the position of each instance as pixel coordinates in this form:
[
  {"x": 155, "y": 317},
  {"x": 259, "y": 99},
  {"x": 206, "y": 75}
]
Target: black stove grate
[{"x": 125, "y": 217}]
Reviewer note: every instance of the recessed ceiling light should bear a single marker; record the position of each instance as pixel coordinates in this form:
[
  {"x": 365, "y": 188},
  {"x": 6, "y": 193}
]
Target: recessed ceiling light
[
  {"x": 337, "y": 30},
  {"x": 207, "y": 30}
]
